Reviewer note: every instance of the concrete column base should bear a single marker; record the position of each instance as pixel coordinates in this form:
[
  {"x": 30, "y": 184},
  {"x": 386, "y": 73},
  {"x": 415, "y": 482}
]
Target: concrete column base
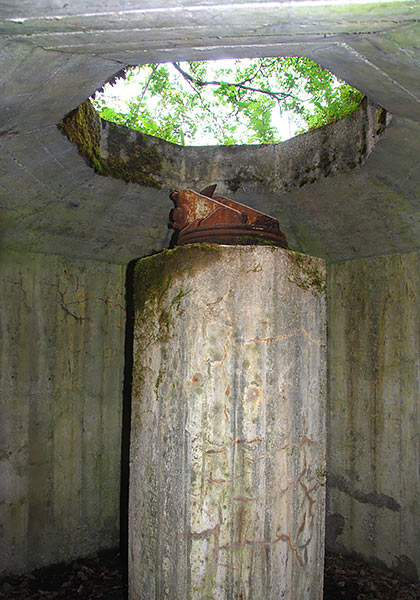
[{"x": 228, "y": 425}]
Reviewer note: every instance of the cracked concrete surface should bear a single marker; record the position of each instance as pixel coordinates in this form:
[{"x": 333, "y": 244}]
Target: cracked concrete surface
[
  {"x": 227, "y": 482},
  {"x": 62, "y": 356}
]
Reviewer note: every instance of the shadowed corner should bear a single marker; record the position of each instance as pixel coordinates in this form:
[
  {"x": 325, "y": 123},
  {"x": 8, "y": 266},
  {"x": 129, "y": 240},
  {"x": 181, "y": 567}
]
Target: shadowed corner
[{"x": 126, "y": 409}]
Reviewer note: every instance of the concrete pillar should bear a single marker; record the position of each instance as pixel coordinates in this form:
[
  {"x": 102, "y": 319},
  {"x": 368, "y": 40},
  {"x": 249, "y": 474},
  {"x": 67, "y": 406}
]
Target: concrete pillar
[{"x": 228, "y": 425}]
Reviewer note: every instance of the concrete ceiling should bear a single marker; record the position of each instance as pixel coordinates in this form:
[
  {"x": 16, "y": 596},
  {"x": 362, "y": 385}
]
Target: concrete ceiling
[{"x": 53, "y": 55}]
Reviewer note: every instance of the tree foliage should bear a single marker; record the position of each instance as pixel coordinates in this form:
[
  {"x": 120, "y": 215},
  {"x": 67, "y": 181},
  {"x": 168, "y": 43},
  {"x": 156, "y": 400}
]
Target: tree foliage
[{"x": 227, "y": 102}]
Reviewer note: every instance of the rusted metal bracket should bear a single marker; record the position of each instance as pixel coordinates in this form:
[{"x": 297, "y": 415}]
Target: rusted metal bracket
[{"x": 200, "y": 217}]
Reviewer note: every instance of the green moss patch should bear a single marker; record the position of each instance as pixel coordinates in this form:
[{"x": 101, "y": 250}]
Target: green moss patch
[
  {"x": 135, "y": 161},
  {"x": 381, "y": 121},
  {"x": 307, "y": 274},
  {"x": 83, "y": 128},
  {"x": 154, "y": 293},
  {"x": 243, "y": 176}
]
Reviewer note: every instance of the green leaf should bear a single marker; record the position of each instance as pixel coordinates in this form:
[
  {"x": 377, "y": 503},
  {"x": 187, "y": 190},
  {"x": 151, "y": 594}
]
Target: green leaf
[{"x": 233, "y": 102}]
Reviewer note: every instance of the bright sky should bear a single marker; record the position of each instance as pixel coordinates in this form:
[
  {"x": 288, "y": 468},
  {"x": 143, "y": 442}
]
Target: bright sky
[{"x": 119, "y": 95}]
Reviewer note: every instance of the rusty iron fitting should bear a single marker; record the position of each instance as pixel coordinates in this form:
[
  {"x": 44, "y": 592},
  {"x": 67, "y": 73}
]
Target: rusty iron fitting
[{"x": 202, "y": 218}]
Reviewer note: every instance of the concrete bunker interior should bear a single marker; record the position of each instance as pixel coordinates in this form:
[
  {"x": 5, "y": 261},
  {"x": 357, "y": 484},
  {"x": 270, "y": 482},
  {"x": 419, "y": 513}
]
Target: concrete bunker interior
[{"x": 68, "y": 235}]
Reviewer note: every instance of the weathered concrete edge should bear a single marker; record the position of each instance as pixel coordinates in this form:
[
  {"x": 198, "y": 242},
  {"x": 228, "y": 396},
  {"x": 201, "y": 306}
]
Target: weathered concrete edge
[
  {"x": 155, "y": 273},
  {"x": 117, "y": 151}
]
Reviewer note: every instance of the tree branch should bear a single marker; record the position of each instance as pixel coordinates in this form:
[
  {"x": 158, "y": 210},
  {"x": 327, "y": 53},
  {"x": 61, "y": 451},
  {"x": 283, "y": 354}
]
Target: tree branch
[
  {"x": 134, "y": 116},
  {"x": 276, "y": 95}
]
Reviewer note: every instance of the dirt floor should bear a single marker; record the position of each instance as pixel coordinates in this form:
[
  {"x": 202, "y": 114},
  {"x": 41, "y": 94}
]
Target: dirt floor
[
  {"x": 104, "y": 577},
  {"x": 352, "y": 580}
]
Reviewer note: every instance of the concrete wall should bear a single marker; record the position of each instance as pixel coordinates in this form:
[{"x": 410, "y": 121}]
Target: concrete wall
[
  {"x": 62, "y": 354},
  {"x": 66, "y": 201},
  {"x": 374, "y": 434},
  {"x": 62, "y": 332}
]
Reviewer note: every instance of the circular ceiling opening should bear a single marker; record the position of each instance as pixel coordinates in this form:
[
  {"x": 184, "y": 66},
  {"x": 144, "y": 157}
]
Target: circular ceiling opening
[
  {"x": 142, "y": 126},
  {"x": 226, "y": 102}
]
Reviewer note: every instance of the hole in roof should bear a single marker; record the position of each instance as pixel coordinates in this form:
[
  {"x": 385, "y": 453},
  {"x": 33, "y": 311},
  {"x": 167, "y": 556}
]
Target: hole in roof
[
  {"x": 246, "y": 109},
  {"x": 224, "y": 102}
]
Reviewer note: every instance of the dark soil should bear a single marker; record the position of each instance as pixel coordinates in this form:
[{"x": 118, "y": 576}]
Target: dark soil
[
  {"x": 105, "y": 577},
  {"x": 347, "y": 579}
]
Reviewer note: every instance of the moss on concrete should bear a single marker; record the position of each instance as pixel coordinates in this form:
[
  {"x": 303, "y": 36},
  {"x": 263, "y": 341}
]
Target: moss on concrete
[
  {"x": 380, "y": 120},
  {"x": 245, "y": 175},
  {"x": 135, "y": 161},
  {"x": 154, "y": 276},
  {"x": 257, "y": 240},
  {"x": 368, "y": 120},
  {"x": 306, "y": 273},
  {"x": 83, "y": 128}
]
